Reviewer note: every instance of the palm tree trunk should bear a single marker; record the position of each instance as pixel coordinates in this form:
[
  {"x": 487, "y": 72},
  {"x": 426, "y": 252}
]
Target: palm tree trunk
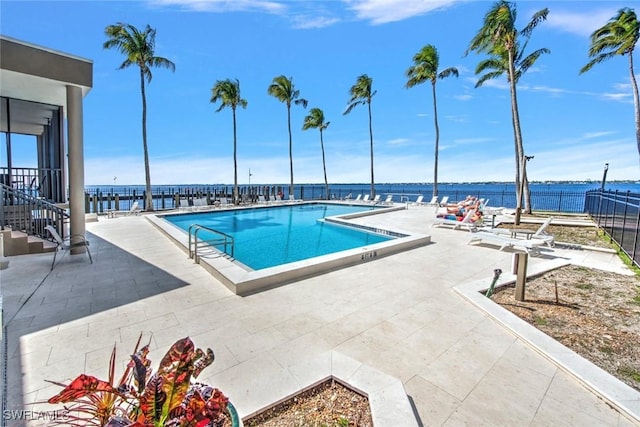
[
  {"x": 435, "y": 120},
  {"x": 147, "y": 173},
  {"x": 636, "y": 101},
  {"x": 235, "y": 161},
  {"x": 290, "y": 150},
  {"x": 373, "y": 188},
  {"x": 324, "y": 165},
  {"x": 517, "y": 136}
]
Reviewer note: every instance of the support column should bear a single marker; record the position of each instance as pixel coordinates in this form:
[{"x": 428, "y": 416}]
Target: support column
[{"x": 76, "y": 165}]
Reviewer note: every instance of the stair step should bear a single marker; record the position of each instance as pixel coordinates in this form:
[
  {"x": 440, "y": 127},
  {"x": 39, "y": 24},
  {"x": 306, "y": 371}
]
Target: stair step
[{"x": 19, "y": 243}]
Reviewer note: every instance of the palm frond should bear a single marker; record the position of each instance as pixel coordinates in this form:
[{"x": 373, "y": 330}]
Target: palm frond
[
  {"x": 618, "y": 36},
  {"x": 448, "y": 72},
  {"x": 488, "y": 76},
  {"x": 536, "y": 19},
  {"x": 527, "y": 62}
]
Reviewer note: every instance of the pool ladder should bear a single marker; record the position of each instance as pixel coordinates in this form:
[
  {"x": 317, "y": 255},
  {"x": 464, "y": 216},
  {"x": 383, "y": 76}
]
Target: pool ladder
[{"x": 223, "y": 240}]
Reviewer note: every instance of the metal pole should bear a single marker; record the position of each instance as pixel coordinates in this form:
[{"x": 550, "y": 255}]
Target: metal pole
[{"x": 604, "y": 176}]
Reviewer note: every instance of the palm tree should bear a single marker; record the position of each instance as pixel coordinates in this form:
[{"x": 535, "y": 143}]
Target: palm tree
[
  {"x": 283, "y": 89},
  {"x": 499, "y": 38},
  {"x": 361, "y": 94},
  {"x": 315, "y": 120},
  {"x": 618, "y": 37},
  {"x": 496, "y": 66},
  {"x": 228, "y": 93},
  {"x": 425, "y": 68},
  {"x": 139, "y": 49}
]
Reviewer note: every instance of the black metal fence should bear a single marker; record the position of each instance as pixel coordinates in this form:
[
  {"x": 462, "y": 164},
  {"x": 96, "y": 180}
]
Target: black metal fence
[
  {"x": 100, "y": 200},
  {"x": 618, "y": 214}
]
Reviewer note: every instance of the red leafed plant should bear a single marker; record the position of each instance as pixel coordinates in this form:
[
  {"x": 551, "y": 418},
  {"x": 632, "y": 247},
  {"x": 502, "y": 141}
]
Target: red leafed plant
[{"x": 140, "y": 398}]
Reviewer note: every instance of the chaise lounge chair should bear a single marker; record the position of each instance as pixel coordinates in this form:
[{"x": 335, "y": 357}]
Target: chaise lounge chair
[
  {"x": 433, "y": 201},
  {"x": 133, "y": 210},
  {"x": 388, "y": 200},
  {"x": 465, "y": 223},
  {"x": 531, "y": 246},
  {"x": 74, "y": 241},
  {"x": 375, "y": 200},
  {"x": 539, "y": 234},
  {"x": 419, "y": 201},
  {"x": 444, "y": 201}
]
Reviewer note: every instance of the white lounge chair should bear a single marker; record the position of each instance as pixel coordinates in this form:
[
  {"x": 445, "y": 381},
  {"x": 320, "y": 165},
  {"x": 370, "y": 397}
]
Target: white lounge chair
[
  {"x": 465, "y": 223},
  {"x": 224, "y": 202},
  {"x": 531, "y": 246},
  {"x": 388, "y": 200},
  {"x": 347, "y": 197},
  {"x": 444, "y": 201},
  {"x": 262, "y": 200},
  {"x": 539, "y": 234},
  {"x": 200, "y": 203},
  {"x": 376, "y": 199},
  {"x": 365, "y": 198},
  {"x": 133, "y": 210},
  {"x": 184, "y": 205},
  {"x": 73, "y": 241},
  {"x": 419, "y": 201},
  {"x": 358, "y": 198}
]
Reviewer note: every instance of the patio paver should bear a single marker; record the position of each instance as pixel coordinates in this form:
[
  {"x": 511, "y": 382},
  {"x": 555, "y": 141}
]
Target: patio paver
[{"x": 398, "y": 315}]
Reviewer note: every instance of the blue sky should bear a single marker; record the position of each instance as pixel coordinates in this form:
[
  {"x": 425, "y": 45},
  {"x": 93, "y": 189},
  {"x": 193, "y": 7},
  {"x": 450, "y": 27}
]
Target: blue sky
[{"x": 571, "y": 123}]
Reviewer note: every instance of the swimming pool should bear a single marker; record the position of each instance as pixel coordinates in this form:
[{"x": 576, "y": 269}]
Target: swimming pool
[
  {"x": 243, "y": 280},
  {"x": 272, "y": 236}
]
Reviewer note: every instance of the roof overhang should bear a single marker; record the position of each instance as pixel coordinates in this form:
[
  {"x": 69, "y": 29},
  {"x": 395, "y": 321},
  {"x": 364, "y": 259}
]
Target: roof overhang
[{"x": 38, "y": 74}]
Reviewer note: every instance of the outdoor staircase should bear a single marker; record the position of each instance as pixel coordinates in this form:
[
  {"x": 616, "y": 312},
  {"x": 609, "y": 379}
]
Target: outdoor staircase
[{"x": 19, "y": 243}]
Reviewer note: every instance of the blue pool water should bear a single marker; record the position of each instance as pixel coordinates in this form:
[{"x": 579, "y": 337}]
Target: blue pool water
[{"x": 266, "y": 237}]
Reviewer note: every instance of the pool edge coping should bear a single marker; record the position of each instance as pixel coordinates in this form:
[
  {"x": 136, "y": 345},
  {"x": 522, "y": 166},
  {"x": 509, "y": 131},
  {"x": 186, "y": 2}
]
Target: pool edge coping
[{"x": 243, "y": 282}]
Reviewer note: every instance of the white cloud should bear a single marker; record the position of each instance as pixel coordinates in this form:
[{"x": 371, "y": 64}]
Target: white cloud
[
  {"x": 220, "y": 6},
  {"x": 457, "y": 118},
  {"x": 477, "y": 140},
  {"x": 616, "y": 96},
  {"x": 591, "y": 135},
  {"x": 551, "y": 90},
  {"x": 422, "y": 115},
  {"x": 580, "y": 23},
  {"x": 398, "y": 141},
  {"x": 384, "y": 11},
  {"x": 464, "y": 97},
  {"x": 304, "y": 22}
]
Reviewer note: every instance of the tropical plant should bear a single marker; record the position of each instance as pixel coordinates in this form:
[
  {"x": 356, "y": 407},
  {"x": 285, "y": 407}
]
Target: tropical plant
[
  {"x": 228, "y": 93},
  {"x": 315, "y": 120},
  {"x": 499, "y": 38},
  {"x": 284, "y": 90},
  {"x": 425, "y": 68},
  {"x": 361, "y": 93},
  {"x": 140, "y": 398},
  {"x": 139, "y": 49},
  {"x": 619, "y": 36}
]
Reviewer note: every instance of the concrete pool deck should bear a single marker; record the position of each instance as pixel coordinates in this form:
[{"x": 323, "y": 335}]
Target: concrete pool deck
[{"x": 403, "y": 316}]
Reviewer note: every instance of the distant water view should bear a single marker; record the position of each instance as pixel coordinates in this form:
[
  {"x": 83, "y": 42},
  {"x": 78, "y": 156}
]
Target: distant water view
[{"x": 552, "y": 196}]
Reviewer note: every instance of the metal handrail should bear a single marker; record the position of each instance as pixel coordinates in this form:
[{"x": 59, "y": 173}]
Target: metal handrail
[
  {"x": 24, "y": 212},
  {"x": 225, "y": 240}
]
